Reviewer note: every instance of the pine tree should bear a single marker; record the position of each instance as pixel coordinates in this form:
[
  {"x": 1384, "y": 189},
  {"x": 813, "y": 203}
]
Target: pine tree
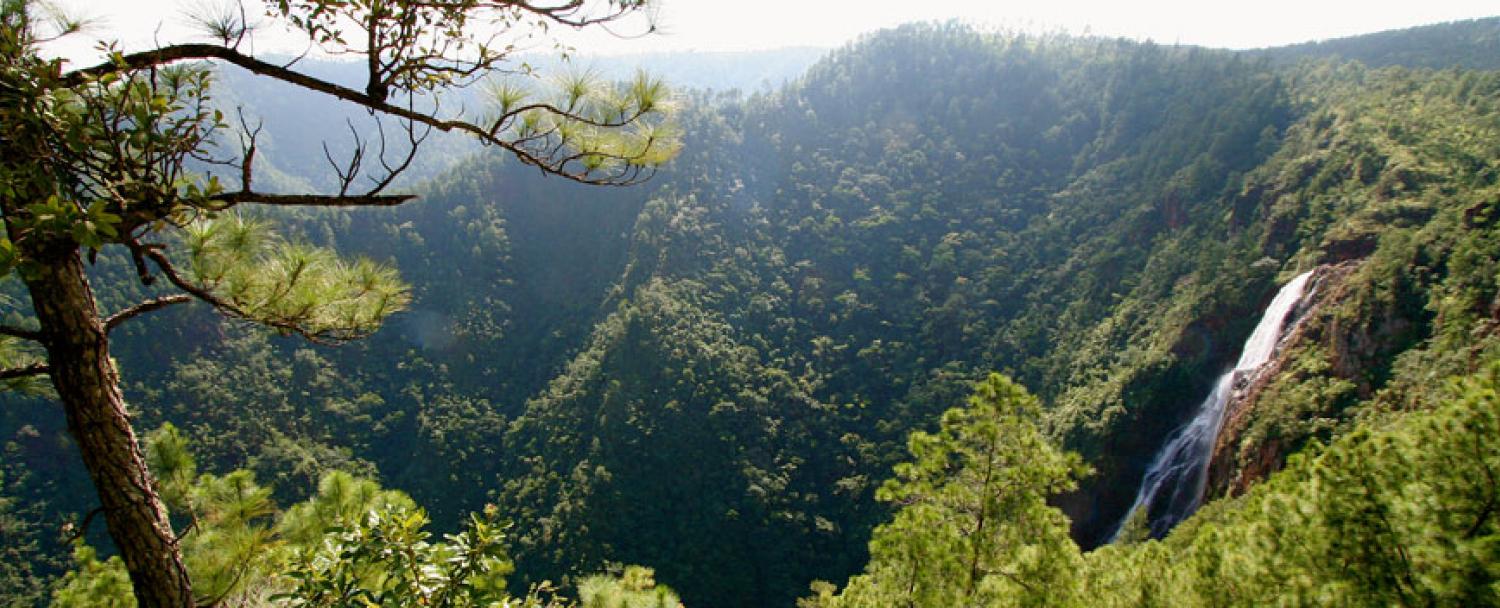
[
  {"x": 100, "y": 159},
  {"x": 973, "y": 526}
]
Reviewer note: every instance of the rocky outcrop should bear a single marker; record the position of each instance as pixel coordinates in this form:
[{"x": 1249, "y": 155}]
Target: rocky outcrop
[{"x": 1235, "y": 465}]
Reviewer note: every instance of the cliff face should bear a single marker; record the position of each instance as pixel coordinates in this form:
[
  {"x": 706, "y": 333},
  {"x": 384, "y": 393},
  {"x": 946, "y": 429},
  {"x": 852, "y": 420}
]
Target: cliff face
[
  {"x": 1239, "y": 460},
  {"x": 1339, "y": 354}
]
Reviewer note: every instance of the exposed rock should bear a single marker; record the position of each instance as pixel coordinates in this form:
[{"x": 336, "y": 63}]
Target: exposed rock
[
  {"x": 1352, "y": 247},
  {"x": 1480, "y": 215},
  {"x": 1235, "y": 466}
]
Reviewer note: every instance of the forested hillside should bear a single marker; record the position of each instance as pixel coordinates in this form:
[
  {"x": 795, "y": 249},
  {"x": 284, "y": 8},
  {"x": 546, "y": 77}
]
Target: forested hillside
[
  {"x": 714, "y": 373},
  {"x": 1472, "y": 44}
]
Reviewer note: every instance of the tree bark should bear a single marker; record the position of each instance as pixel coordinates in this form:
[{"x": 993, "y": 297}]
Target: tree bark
[
  {"x": 88, "y": 386},
  {"x": 78, "y": 360}
]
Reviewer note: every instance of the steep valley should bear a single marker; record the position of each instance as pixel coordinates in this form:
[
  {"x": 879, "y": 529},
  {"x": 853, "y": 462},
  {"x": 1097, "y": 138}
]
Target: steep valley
[{"x": 712, "y": 373}]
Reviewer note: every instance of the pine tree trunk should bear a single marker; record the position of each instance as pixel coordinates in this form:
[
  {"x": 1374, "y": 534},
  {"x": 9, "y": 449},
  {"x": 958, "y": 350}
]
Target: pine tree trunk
[
  {"x": 88, "y": 386},
  {"x": 78, "y": 356}
]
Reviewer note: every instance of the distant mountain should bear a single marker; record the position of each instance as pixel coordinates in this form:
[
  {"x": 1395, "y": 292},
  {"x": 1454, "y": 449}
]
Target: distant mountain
[
  {"x": 1472, "y": 44},
  {"x": 747, "y": 71},
  {"x": 292, "y": 155}
]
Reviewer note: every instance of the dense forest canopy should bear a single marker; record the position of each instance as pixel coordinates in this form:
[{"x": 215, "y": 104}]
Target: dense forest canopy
[{"x": 772, "y": 364}]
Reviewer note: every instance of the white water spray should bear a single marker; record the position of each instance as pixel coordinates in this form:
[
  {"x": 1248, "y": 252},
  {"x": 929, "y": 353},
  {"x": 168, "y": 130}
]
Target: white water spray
[{"x": 1174, "y": 484}]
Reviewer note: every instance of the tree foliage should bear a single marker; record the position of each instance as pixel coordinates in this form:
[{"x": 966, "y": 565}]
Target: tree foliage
[
  {"x": 352, "y": 543},
  {"x": 973, "y": 526},
  {"x": 633, "y": 588},
  {"x": 1400, "y": 515}
]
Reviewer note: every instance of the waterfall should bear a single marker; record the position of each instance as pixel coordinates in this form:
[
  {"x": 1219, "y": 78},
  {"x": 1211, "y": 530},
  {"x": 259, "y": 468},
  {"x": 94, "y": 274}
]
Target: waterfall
[{"x": 1173, "y": 486}]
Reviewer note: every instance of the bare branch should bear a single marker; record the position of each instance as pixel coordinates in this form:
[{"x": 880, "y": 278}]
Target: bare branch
[
  {"x": 138, "y": 258},
  {"x": 248, "y": 139},
  {"x": 35, "y": 369},
  {"x": 568, "y": 12},
  {"x": 348, "y": 174},
  {"x": 185, "y": 52},
  {"x": 116, "y": 319},
  {"x": 413, "y": 142},
  {"x": 314, "y": 200},
  {"x": 24, "y": 334}
]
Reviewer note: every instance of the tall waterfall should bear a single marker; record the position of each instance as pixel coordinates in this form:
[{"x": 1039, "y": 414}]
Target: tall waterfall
[{"x": 1174, "y": 484}]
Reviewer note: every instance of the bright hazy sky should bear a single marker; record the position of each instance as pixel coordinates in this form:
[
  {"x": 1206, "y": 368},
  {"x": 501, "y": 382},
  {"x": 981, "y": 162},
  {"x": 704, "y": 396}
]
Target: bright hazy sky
[{"x": 724, "y": 25}]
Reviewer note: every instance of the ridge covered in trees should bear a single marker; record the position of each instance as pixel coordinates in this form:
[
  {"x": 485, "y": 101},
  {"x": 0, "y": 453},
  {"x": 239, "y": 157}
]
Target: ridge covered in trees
[{"x": 737, "y": 373}]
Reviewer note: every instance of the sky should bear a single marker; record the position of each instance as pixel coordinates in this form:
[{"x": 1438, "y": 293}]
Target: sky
[{"x": 724, "y": 25}]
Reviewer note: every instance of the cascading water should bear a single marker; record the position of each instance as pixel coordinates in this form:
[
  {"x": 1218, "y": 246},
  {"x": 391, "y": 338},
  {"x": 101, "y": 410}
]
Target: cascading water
[{"x": 1174, "y": 484}]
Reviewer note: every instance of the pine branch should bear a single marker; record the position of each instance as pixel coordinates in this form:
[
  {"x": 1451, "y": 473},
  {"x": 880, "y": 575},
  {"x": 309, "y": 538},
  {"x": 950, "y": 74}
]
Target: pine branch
[
  {"x": 35, "y": 369},
  {"x": 227, "y": 307},
  {"x": 631, "y": 174},
  {"x": 143, "y": 308}
]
